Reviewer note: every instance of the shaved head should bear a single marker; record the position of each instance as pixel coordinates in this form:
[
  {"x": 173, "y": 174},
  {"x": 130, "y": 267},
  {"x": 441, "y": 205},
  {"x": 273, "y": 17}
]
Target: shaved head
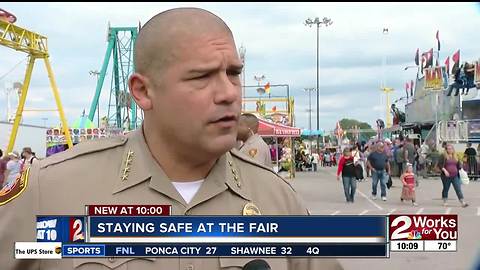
[
  {"x": 247, "y": 126},
  {"x": 187, "y": 68},
  {"x": 156, "y": 43},
  {"x": 250, "y": 120}
]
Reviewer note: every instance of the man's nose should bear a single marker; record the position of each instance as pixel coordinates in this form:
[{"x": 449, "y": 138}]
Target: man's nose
[{"x": 226, "y": 92}]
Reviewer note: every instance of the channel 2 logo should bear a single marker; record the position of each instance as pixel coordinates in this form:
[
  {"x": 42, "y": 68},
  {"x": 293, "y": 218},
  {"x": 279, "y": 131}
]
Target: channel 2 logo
[
  {"x": 76, "y": 229},
  {"x": 423, "y": 227}
]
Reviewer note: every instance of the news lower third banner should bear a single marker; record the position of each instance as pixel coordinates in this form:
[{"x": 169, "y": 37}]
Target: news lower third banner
[
  {"x": 203, "y": 236},
  {"x": 228, "y": 229},
  {"x": 151, "y": 231}
]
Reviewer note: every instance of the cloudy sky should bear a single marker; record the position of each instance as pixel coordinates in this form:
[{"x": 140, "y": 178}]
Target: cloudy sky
[{"x": 278, "y": 45}]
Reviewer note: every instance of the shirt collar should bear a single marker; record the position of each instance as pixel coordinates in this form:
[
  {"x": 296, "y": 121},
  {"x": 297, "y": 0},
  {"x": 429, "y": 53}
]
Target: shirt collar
[{"x": 138, "y": 165}]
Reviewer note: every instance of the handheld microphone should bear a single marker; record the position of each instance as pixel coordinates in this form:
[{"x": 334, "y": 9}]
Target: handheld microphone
[{"x": 257, "y": 265}]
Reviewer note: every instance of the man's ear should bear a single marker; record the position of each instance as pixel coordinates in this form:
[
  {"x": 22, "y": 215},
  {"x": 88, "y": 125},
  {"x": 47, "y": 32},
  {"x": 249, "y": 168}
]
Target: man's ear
[{"x": 140, "y": 90}]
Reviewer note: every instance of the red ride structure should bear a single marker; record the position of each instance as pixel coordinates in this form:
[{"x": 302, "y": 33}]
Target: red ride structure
[{"x": 7, "y": 16}]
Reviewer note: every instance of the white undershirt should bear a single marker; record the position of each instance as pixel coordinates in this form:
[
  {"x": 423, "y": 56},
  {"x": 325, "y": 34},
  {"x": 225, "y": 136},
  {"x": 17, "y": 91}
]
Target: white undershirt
[{"x": 188, "y": 189}]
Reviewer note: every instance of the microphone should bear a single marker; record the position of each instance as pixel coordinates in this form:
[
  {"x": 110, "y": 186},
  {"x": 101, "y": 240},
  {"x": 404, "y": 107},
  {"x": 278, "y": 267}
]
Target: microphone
[{"x": 257, "y": 265}]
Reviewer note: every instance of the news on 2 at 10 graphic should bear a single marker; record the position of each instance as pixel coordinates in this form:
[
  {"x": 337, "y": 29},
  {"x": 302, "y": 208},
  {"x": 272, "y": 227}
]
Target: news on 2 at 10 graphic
[{"x": 150, "y": 231}]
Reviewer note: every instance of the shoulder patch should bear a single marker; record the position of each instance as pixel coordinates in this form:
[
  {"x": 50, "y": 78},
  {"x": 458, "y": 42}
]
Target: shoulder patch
[
  {"x": 84, "y": 148},
  {"x": 12, "y": 190},
  {"x": 252, "y": 152},
  {"x": 245, "y": 158}
]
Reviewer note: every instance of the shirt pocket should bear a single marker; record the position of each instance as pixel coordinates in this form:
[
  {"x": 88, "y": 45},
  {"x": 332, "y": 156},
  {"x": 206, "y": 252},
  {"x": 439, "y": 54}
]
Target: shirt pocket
[
  {"x": 113, "y": 263},
  {"x": 239, "y": 263}
]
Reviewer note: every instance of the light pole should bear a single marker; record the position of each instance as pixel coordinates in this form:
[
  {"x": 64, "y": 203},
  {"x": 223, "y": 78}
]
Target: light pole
[
  {"x": 387, "y": 91},
  {"x": 96, "y": 73},
  {"x": 326, "y": 22},
  {"x": 44, "y": 121},
  {"x": 309, "y": 90},
  {"x": 242, "y": 50},
  {"x": 384, "y": 88}
]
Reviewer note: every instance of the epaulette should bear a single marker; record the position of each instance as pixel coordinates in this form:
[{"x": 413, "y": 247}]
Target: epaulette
[
  {"x": 243, "y": 157},
  {"x": 84, "y": 148}
]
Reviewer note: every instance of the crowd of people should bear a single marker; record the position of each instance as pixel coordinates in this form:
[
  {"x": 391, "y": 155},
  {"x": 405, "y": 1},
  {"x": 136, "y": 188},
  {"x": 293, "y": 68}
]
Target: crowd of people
[
  {"x": 311, "y": 161},
  {"x": 12, "y": 164},
  {"x": 403, "y": 159},
  {"x": 182, "y": 155}
]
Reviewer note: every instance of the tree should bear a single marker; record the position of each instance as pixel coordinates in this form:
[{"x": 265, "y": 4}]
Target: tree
[{"x": 350, "y": 124}]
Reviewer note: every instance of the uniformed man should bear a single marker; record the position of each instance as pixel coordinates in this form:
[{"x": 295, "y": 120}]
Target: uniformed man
[
  {"x": 253, "y": 145},
  {"x": 187, "y": 83}
]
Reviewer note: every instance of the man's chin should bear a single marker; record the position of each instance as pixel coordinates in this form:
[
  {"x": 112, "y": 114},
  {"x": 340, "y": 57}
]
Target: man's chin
[{"x": 223, "y": 144}]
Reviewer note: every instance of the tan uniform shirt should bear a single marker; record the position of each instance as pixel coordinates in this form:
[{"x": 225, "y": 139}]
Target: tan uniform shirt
[
  {"x": 95, "y": 173},
  {"x": 256, "y": 148}
]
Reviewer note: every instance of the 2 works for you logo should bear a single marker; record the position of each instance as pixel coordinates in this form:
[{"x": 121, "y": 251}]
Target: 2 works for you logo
[{"x": 423, "y": 227}]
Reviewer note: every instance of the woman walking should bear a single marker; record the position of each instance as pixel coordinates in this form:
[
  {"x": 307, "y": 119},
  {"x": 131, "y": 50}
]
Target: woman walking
[
  {"x": 450, "y": 165},
  {"x": 346, "y": 166}
]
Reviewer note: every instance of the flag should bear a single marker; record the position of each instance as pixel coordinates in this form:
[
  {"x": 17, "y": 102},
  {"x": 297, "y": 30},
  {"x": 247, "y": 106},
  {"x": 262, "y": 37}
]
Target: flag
[
  {"x": 338, "y": 130},
  {"x": 456, "y": 57},
  {"x": 422, "y": 65},
  {"x": 427, "y": 60},
  {"x": 406, "y": 88},
  {"x": 438, "y": 40},
  {"x": 456, "y": 61},
  {"x": 430, "y": 58},
  {"x": 267, "y": 88},
  {"x": 411, "y": 88},
  {"x": 447, "y": 64},
  {"x": 417, "y": 57}
]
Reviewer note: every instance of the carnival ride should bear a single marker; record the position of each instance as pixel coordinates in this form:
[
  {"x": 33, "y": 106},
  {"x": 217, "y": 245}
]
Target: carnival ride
[
  {"x": 123, "y": 112},
  {"x": 436, "y": 113},
  {"x": 277, "y": 121},
  {"x": 35, "y": 45}
]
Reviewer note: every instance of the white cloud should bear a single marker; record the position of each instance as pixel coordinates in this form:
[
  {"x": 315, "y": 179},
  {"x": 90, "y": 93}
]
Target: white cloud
[
  {"x": 278, "y": 45},
  {"x": 378, "y": 108}
]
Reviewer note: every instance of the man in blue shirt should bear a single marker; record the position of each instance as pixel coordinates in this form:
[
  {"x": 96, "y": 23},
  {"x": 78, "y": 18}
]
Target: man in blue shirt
[{"x": 377, "y": 163}]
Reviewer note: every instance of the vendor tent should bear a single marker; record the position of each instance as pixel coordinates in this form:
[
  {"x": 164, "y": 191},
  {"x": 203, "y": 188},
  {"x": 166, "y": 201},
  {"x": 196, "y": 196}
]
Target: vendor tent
[
  {"x": 268, "y": 129},
  {"x": 307, "y": 132}
]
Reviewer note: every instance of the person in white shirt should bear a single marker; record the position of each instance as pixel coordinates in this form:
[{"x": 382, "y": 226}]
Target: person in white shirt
[
  {"x": 13, "y": 169},
  {"x": 315, "y": 160}
]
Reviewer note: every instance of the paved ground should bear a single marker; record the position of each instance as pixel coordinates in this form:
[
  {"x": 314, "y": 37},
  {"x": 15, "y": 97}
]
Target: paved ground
[{"x": 323, "y": 195}]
